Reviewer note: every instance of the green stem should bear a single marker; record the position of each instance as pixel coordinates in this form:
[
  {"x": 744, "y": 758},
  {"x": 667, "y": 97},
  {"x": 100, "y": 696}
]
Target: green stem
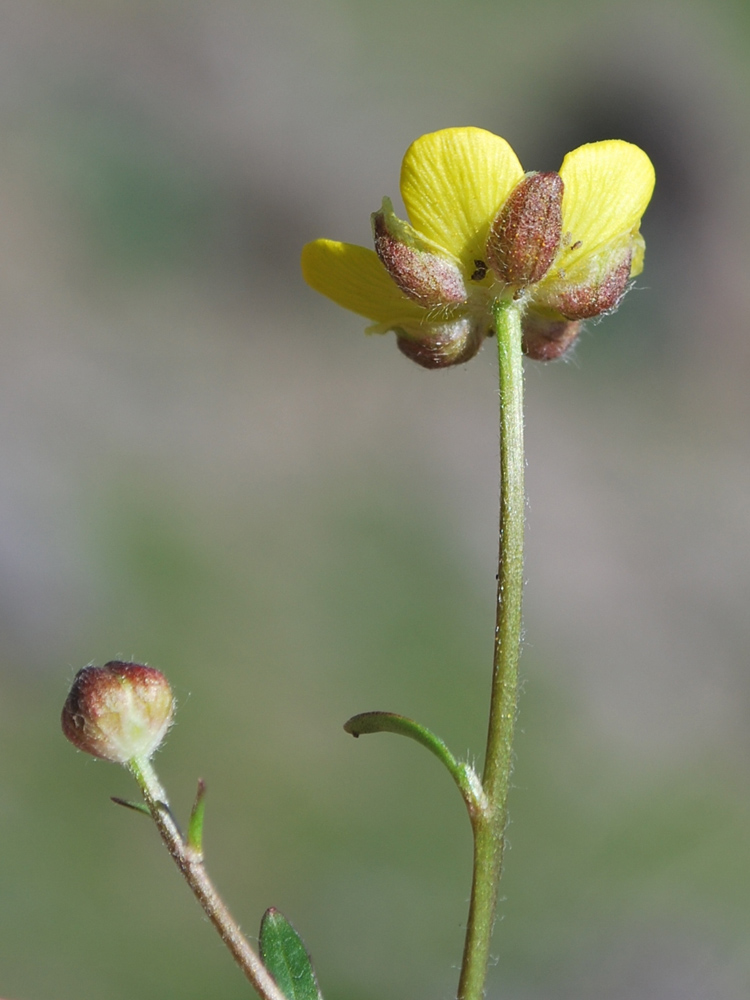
[
  {"x": 489, "y": 824},
  {"x": 190, "y": 863}
]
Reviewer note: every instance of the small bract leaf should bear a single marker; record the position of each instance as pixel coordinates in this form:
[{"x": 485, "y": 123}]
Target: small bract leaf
[
  {"x": 195, "y": 825},
  {"x": 139, "y": 807},
  {"x": 286, "y": 958}
]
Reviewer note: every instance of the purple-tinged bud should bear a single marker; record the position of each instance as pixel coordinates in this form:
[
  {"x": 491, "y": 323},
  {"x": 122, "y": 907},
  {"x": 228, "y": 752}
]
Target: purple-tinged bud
[
  {"x": 600, "y": 294},
  {"x": 545, "y": 339},
  {"x": 119, "y": 712},
  {"x": 416, "y": 265},
  {"x": 525, "y": 236},
  {"x": 441, "y": 345}
]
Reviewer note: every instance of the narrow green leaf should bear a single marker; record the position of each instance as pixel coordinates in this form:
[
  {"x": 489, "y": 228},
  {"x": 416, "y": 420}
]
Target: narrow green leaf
[
  {"x": 286, "y": 958},
  {"x": 139, "y": 807},
  {"x": 388, "y": 722},
  {"x": 195, "y": 825}
]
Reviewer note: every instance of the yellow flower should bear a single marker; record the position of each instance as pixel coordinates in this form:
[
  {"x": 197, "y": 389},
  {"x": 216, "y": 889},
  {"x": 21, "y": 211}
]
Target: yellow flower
[{"x": 563, "y": 245}]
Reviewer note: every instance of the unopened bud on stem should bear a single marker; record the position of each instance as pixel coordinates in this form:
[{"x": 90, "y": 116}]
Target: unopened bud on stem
[{"x": 118, "y": 712}]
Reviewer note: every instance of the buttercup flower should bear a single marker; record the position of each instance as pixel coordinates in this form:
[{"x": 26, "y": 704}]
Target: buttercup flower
[{"x": 563, "y": 245}]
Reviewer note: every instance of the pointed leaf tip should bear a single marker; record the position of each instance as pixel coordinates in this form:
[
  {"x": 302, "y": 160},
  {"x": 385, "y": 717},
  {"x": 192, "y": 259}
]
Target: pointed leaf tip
[
  {"x": 390, "y": 722},
  {"x": 285, "y": 956},
  {"x": 195, "y": 825},
  {"x": 135, "y": 806}
]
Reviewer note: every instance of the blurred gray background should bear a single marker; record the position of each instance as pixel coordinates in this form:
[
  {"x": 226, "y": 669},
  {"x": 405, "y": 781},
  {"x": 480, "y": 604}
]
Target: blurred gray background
[{"x": 206, "y": 467}]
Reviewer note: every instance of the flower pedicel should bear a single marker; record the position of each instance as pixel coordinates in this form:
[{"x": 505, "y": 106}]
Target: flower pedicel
[{"x": 563, "y": 245}]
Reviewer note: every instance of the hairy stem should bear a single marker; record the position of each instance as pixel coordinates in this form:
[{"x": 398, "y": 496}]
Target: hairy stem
[
  {"x": 193, "y": 869},
  {"x": 489, "y": 824}
]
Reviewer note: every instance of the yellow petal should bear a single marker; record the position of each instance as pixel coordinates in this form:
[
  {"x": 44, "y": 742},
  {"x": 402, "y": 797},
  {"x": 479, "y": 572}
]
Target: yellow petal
[
  {"x": 607, "y": 188},
  {"x": 639, "y": 252},
  {"x": 354, "y": 278},
  {"x": 453, "y": 184}
]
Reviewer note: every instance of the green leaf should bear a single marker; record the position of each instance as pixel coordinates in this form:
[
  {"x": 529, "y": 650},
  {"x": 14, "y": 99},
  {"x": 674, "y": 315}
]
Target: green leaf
[
  {"x": 286, "y": 958},
  {"x": 195, "y": 825},
  {"x": 388, "y": 722}
]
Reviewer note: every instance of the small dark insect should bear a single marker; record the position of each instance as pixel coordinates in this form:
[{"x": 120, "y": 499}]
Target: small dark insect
[
  {"x": 577, "y": 244},
  {"x": 480, "y": 270}
]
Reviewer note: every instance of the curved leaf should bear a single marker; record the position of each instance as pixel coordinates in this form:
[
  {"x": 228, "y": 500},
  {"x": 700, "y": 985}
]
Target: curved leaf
[{"x": 389, "y": 722}]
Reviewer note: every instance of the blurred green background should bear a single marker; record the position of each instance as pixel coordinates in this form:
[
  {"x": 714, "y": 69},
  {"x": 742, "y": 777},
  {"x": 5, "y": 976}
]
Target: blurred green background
[{"x": 206, "y": 467}]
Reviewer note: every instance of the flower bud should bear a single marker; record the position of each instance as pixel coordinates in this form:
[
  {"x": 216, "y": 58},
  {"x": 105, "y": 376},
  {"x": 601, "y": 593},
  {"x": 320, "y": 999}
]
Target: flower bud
[
  {"x": 441, "y": 345},
  {"x": 525, "y": 235},
  {"x": 599, "y": 293},
  {"x": 416, "y": 266},
  {"x": 545, "y": 339},
  {"x": 119, "y": 711}
]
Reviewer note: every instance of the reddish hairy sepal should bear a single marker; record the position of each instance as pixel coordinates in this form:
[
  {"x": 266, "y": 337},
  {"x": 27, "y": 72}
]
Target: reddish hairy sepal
[
  {"x": 548, "y": 339},
  {"x": 601, "y": 294},
  {"x": 442, "y": 345},
  {"x": 525, "y": 235},
  {"x": 118, "y": 712},
  {"x": 425, "y": 276}
]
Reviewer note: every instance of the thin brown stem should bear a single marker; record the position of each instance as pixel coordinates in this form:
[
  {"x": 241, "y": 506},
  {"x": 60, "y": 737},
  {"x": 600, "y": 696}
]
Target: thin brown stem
[{"x": 193, "y": 869}]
